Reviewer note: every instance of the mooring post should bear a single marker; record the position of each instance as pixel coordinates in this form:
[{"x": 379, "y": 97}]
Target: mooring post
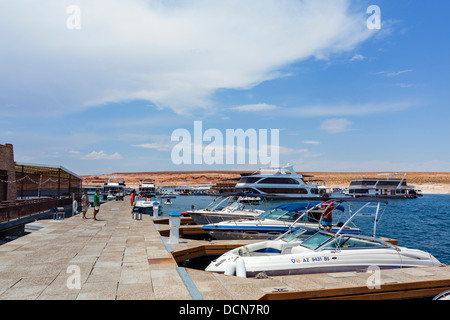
[
  {"x": 174, "y": 223},
  {"x": 155, "y": 209}
]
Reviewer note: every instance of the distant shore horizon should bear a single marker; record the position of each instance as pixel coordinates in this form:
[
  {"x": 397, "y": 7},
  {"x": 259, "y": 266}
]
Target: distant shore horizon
[{"x": 427, "y": 182}]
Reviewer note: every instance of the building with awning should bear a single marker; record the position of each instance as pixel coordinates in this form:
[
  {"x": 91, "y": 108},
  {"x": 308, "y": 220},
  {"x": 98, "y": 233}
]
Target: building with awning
[
  {"x": 27, "y": 189},
  {"x": 43, "y": 180}
]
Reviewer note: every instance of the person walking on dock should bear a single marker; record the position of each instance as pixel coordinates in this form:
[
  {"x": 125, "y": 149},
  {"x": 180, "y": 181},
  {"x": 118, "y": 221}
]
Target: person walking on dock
[
  {"x": 132, "y": 197},
  {"x": 85, "y": 203},
  {"x": 96, "y": 203}
]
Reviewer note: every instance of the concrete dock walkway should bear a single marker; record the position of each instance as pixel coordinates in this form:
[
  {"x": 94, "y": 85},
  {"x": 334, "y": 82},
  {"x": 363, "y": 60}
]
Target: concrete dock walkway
[
  {"x": 111, "y": 254},
  {"x": 118, "y": 258}
]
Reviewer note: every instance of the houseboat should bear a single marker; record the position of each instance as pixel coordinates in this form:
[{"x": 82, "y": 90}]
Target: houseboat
[
  {"x": 147, "y": 186},
  {"x": 112, "y": 187},
  {"x": 385, "y": 185}
]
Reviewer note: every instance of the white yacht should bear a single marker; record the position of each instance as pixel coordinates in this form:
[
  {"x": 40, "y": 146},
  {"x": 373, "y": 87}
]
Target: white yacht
[
  {"x": 112, "y": 187},
  {"x": 147, "y": 186},
  {"x": 281, "y": 183},
  {"x": 321, "y": 253},
  {"x": 386, "y": 185}
]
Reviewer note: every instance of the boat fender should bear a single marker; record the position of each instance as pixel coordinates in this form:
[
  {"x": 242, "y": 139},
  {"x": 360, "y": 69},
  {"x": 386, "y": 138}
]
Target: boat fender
[
  {"x": 75, "y": 206},
  {"x": 230, "y": 268},
  {"x": 240, "y": 268}
]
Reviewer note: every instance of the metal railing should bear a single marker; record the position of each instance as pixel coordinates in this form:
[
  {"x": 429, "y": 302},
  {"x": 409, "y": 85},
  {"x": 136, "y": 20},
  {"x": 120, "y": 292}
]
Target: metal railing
[{"x": 24, "y": 208}]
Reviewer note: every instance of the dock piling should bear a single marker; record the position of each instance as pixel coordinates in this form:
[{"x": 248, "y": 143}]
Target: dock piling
[{"x": 174, "y": 223}]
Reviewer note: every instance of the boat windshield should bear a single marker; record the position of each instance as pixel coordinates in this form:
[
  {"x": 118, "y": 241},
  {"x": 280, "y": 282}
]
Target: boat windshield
[
  {"x": 349, "y": 242},
  {"x": 316, "y": 240},
  {"x": 219, "y": 203},
  {"x": 294, "y": 235},
  {"x": 278, "y": 214},
  {"x": 235, "y": 206}
]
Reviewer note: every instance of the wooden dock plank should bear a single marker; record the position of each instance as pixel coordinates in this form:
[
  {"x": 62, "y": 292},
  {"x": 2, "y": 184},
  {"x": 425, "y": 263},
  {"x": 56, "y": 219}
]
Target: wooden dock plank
[{"x": 386, "y": 291}]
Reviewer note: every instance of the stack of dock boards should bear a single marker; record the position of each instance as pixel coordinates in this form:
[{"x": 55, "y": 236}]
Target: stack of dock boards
[{"x": 38, "y": 225}]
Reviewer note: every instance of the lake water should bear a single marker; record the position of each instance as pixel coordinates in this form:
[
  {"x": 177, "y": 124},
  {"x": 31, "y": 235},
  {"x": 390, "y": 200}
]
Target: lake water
[{"x": 421, "y": 223}]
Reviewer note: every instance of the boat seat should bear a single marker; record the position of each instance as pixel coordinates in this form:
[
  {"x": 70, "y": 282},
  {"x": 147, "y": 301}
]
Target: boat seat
[
  {"x": 263, "y": 253},
  {"x": 287, "y": 247},
  {"x": 298, "y": 249}
]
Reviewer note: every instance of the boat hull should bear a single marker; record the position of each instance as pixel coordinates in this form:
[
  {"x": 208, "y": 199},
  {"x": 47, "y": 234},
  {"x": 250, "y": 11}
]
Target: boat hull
[
  {"x": 330, "y": 261},
  {"x": 146, "y": 208},
  {"x": 208, "y": 217},
  {"x": 386, "y": 196},
  {"x": 247, "y": 234},
  {"x": 255, "y": 231}
]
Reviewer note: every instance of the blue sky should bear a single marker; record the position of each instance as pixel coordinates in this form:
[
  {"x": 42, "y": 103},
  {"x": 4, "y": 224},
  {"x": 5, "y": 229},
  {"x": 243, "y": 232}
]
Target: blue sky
[{"x": 106, "y": 97}]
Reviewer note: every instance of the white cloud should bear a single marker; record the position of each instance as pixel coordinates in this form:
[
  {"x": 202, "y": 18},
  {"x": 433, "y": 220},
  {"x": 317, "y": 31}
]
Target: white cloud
[
  {"x": 255, "y": 107},
  {"x": 404, "y": 85},
  {"x": 290, "y": 151},
  {"x": 160, "y": 142},
  {"x": 311, "y": 142},
  {"x": 340, "y": 110},
  {"x": 336, "y": 125},
  {"x": 155, "y": 145},
  {"x": 174, "y": 54},
  {"x": 394, "y": 73},
  {"x": 357, "y": 57},
  {"x": 73, "y": 153},
  {"x": 101, "y": 155},
  {"x": 377, "y": 165}
]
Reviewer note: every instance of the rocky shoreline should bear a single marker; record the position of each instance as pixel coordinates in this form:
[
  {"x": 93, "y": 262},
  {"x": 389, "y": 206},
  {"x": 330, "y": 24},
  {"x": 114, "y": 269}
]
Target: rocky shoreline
[{"x": 428, "y": 182}]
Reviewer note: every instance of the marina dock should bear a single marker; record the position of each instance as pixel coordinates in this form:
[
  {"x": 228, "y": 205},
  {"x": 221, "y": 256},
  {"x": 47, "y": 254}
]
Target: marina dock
[{"x": 118, "y": 258}]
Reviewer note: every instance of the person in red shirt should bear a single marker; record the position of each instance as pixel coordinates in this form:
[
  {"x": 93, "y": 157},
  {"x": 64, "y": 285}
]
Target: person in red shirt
[
  {"x": 132, "y": 196},
  {"x": 327, "y": 215}
]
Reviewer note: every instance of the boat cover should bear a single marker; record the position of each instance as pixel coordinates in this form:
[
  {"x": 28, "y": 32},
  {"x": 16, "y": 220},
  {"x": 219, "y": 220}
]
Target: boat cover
[{"x": 303, "y": 206}]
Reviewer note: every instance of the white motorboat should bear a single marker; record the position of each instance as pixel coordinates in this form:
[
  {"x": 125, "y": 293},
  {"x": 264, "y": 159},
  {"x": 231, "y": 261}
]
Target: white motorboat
[
  {"x": 320, "y": 253},
  {"x": 226, "y": 208},
  {"x": 277, "y": 221},
  {"x": 145, "y": 204},
  {"x": 443, "y": 296},
  {"x": 111, "y": 196},
  {"x": 281, "y": 183}
]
